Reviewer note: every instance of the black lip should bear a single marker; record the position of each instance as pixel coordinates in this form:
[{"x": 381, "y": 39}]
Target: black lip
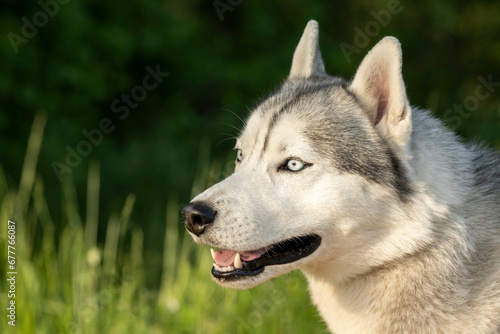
[{"x": 283, "y": 252}]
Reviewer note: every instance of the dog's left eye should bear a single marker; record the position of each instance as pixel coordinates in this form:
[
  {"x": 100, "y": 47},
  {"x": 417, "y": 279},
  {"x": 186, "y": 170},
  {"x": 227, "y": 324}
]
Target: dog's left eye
[
  {"x": 239, "y": 155},
  {"x": 294, "y": 165}
]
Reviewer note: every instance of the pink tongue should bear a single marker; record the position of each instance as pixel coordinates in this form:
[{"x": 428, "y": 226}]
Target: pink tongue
[{"x": 226, "y": 257}]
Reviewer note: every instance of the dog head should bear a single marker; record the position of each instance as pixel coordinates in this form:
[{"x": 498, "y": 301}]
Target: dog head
[{"x": 320, "y": 175}]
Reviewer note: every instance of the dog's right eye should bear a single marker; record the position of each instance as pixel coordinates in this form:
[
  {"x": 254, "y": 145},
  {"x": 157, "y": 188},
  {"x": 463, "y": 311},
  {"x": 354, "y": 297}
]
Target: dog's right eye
[
  {"x": 294, "y": 165},
  {"x": 239, "y": 156}
]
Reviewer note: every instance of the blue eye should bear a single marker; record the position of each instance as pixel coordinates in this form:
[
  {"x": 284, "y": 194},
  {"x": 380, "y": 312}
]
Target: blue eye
[{"x": 294, "y": 165}]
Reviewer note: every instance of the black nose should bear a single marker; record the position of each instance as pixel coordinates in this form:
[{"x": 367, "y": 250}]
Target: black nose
[{"x": 199, "y": 216}]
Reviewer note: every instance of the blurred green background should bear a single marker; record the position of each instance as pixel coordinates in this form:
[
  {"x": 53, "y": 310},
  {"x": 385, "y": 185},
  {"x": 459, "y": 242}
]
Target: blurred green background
[{"x": 74, "y": 63}]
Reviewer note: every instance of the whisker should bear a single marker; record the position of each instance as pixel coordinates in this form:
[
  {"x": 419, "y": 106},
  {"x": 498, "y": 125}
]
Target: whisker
[
  {"x": 235, "y": 114},
  {"x": 234, "y": 127},
  {"x": 230, "y": 137}
]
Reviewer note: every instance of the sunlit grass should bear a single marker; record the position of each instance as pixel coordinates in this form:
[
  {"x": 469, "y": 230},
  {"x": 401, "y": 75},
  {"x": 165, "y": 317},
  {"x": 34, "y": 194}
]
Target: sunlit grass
[{"x": 67, "y": 282}]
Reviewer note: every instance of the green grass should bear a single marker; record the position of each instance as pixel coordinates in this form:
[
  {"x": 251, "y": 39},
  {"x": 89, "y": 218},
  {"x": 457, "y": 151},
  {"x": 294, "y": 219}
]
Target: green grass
[{"x": 67, "y": 282}]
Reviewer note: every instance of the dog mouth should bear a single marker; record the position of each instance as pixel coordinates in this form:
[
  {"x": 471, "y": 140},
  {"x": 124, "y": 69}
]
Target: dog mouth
[{"x": 232, "y": 265}]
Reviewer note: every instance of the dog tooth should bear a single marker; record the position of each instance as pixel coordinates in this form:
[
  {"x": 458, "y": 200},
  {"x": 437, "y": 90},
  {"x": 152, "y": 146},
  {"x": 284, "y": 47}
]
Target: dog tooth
[
  {"x": 237, "y": 261},
  {"x": 213, "y": 253}
]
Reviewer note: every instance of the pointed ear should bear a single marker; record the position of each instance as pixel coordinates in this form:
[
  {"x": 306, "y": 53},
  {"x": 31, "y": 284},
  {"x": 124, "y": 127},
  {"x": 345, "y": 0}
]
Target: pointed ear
[
  {"x": 379, "y": 85},
  {"x": 307, "y": 60}
]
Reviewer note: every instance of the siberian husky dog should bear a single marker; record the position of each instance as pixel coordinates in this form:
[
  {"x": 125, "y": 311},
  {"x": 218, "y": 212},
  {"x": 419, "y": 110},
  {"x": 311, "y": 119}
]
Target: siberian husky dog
[{"x": 393, "y": 220}]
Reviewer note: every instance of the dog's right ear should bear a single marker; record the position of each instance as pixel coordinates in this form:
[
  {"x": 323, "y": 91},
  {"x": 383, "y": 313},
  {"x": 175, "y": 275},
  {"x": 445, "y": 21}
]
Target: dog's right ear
[{"x": 307, "y": 60}]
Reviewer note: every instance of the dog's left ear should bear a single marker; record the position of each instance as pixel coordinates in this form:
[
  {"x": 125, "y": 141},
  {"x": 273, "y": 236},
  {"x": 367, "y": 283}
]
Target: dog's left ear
[
  {"x": 307, "y": 59},
  {"x": 379, "y": 85}
]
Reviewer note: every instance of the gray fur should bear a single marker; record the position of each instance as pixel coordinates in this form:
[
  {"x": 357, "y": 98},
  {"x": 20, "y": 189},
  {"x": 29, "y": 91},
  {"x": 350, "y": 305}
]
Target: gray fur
[{"x": 353, "y": 149}]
